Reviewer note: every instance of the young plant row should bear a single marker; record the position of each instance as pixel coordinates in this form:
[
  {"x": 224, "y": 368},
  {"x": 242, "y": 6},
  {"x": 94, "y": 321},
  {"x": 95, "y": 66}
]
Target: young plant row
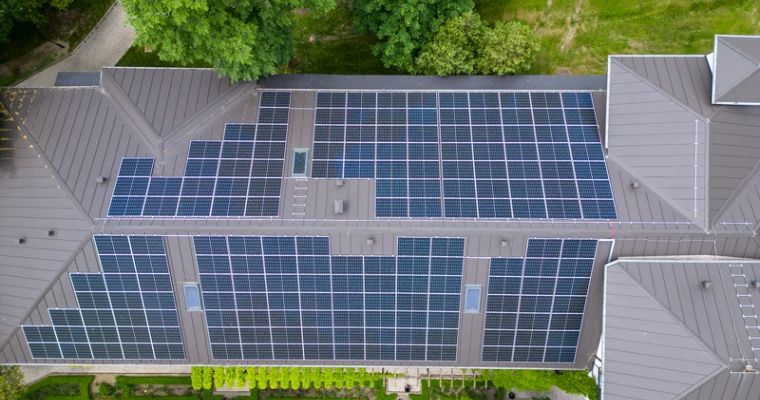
[{"x": 205, "y": 377}]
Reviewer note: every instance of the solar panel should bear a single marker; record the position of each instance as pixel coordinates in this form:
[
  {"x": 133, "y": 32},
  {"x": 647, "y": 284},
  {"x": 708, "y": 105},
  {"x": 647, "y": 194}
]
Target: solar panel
[
  {"x": 532, "y": 155},
  {"x": 535, "y": 305},
  {"x": 127, "y": 311},
  {"x": 287, "y": 298},
  {"x": 240, "y": 175}
]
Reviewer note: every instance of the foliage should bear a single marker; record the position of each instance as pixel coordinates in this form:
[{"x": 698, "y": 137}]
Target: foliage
[
  {"x": 104, "y": 389},
  {"x": 507, "y": 48},
  {"x": 242, "y": 39},
  {"x": 574, "y": 382},
  {"x": 196, "y": 377},
  {"x": 10, "y": 382},
  {"x": 218, "y": 377},
  {"x": 208, "y": 374},
  {"x": 465, "y": 45},
  {"x": 126, "y": 385},
  {"x": 454, "y": 49},
  {"x": 404, "y": 26},
  {"x": 59, "y": 387}
]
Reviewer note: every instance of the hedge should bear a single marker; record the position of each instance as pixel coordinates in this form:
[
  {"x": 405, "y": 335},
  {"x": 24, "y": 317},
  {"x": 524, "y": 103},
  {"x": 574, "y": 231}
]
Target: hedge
[
  {"x": 126, "y": 384},
  {"x": 38, "y": 389}
]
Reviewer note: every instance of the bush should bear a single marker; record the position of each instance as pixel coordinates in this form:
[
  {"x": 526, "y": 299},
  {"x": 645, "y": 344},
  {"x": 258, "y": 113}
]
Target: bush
[
  {"x": 208, "y": 378},
  {"x": 60, "y": 387},
  {"x": 126, "y": 385},
  {"x": 104, "y": 389},
  {"x": 218, "y": 377},
  {"x": 196, "y": 377},
  {"x": 10, "y": 381}
]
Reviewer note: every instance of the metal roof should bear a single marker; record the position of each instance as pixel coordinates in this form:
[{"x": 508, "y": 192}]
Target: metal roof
[
  {"x": 663, "y": 129},
  {"x": 737, "y": 70},
  {"x": 78, "y": 134},
  {"x": 666, "y": 336}
]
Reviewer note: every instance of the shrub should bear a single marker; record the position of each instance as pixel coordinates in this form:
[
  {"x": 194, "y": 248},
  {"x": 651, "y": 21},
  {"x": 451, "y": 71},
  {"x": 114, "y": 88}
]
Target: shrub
[
  {"x": 104, "y": 389},
  {"x": 218, "y": 377},
  {"x": 208, "y": 378},
  {"x": 10, "y": 381},
  {"x": 196, "y": 377},
  {"x": 59, "y": 387}
]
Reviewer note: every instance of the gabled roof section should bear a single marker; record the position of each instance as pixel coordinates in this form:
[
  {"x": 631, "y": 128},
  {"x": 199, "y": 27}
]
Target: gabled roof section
[
  {"x": 167, "y": 97},
  {"x": 36, "y": 208},
  {"x": 668, "y": 337},
  {"x": 657, "y": 133},
  {"x": 737, "y": 70},
  {"x": 663, "y": 129}
]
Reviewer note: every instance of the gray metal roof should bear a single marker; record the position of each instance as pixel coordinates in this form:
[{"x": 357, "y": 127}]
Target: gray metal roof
[
  {"x": 80, "y": 134},
  {"x": 663, "y": 129},
  {"x": 668, "y": 337},
  {"x": 736, "y": 70}
]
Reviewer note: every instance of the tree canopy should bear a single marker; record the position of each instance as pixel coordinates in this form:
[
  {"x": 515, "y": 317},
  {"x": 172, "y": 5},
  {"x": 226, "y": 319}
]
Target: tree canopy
[
  {"x": 241, "y": 39},
  {"x": 465, "y": 45},
  {"x": 404, "y": 26},
  {"x": 34, "y": 11},
  {"x": 10, "y": 382}
]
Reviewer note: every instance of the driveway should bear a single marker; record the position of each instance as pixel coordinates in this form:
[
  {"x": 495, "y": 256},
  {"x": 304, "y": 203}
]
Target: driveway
[{"x": 104, "y": 46}]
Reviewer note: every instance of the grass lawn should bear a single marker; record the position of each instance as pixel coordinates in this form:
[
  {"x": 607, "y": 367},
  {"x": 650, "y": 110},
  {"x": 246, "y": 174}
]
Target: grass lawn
[{"x": 577, "y": 35}]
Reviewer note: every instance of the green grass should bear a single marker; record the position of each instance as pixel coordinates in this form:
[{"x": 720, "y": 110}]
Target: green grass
[
  {"x": 606, "y": 27},
  {"x": 60, "y": 387},
  {"x": 329, "y": 44}
]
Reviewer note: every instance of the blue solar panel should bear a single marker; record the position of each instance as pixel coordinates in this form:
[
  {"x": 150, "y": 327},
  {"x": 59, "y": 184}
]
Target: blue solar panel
[
  {"x": 287, "y": 298},
  {"x": 240, "y": 175},
  {"x": 127, "y": 311},
  {"x": 535, "y": 305},
  {"x": 502, "y": 155}
]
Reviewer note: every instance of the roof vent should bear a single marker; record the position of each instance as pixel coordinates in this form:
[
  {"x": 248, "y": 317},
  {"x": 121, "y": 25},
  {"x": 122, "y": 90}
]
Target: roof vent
[
  {"x": 51, "y": 232},
  {"x": 706, "y": 283},
  {"x": 21, "y": 240},
  {"x": 370, "y": 241},
  {"x": 339, "y": 183},
  {"x": 749, "y": 367},
  {"x": 504, "y": 243},
  {"x": 755, "y": 284},
  {"x": 101, "y": 179},
  {"x": 634, "y": 185},
  {"x": 339, "y": 206}
]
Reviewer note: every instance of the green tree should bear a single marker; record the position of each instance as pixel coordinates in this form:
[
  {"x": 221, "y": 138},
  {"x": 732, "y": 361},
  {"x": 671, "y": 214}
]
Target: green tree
[
  {"x": 239, "y": 377},
  {"x": 196, "y": 377},
  {"x": 241, "y": 39},
  {"x": 274, "y": 377},
  {"x": 404, "y": 26},
  {"x": 208, "y": 373},
  {"x": 229, "y": 377},
  {"x": 250, "y": 377},
  {"x": 10, "y": 382},
  {"x": 454, "y": 49},
  {"x": 262, "y": 377},
  {"x": 507, "y": 48}
]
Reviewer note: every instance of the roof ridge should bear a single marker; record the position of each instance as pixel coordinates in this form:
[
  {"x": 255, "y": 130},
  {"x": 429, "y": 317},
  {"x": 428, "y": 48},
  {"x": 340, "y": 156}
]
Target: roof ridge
[
  {"x": 738, "y": 51},
  {"x": 642, "y": 182},
  {"x": 740, "y": 188},
  {"x": 47, "y": 289},
  {"x": 660, "y": 90},
  {"x": 702, "y": 382},
  {"x": 233, "y": 95},
  {"x": 131, "y": 113},
  {"x": 670, "y": 314},
  {"x": 46, "y": 161}
]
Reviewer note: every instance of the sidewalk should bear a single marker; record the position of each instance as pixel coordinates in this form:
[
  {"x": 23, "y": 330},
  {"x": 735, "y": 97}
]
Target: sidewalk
[{"x": 105, "y": 45}]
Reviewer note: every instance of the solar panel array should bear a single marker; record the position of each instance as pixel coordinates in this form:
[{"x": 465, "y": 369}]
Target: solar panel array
[
  {"x": 126, "y": 312},
  {"x": 535, "y": 305},
  {"x": 467, "y": 155},
  {"x": 287, "y": 298},
  {"x": 240, "y": 175}
]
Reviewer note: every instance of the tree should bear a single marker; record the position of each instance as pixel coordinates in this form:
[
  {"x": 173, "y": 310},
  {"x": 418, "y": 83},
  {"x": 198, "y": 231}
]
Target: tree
[
  {"x": 262, "y": 378},
  {"x": 208, "y": 373},
  {"x": 466, "y": 45},
  {"x": 196, "y": 377},
  {"x": 454, "y": 49},
  {"x": 239, "y": 377},
  {"x": 241, "y": 39},
  {"x": 229, "y": 377},
  {"x": 10, "y": 382},
  {"x": 404, "y": 26},
  {"x": 507, "y": 48}
]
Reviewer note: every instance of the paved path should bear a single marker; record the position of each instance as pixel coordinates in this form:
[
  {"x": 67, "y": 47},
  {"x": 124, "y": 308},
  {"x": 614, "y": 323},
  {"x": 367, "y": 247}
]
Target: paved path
[{"x": 105, "y": 45}]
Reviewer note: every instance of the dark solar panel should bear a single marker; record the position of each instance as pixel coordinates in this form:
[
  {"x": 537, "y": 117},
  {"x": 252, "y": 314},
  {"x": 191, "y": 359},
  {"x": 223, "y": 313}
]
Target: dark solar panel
[
  {"x": 535, "y": 305},
  {"x": 288, "y": 298},
  {"x": 240, "y": 175},
  {"x": 467, "y": 155},
  {"x": 127, "y": 311}
]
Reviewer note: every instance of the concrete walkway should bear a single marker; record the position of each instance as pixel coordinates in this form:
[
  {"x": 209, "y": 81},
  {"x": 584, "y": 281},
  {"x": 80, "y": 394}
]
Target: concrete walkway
[{"x": 104, "y": 46}]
